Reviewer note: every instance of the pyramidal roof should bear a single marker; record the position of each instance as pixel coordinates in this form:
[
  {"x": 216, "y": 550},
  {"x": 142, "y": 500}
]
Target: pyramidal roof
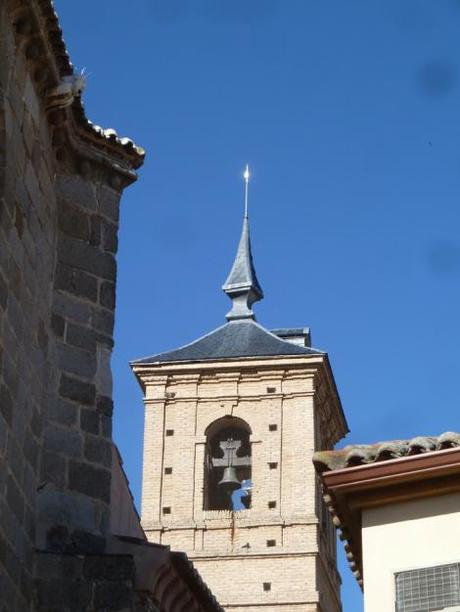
[{"x": 241, "y": 336}]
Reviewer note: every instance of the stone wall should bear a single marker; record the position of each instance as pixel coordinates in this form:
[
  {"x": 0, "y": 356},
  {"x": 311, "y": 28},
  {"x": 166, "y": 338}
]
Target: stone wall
[
  {"x": 58, "y": 238},
  {"x": 27, "y": 261},
  {"x": 77, "y": 450},
  {"x": 93, "y": 582}
]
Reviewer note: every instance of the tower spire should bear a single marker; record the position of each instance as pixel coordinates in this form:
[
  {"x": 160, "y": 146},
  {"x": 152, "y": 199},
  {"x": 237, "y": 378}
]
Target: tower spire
[
  {"x": 246, "y": 176},
  {"x": 242, "y": 286}
]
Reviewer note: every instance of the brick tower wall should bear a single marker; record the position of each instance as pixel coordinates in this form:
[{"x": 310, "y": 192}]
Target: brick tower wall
[{"x": 284, "y": 540}]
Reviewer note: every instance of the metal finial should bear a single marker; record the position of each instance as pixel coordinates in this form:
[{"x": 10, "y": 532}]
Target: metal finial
[{"x": 246, "y": 176}]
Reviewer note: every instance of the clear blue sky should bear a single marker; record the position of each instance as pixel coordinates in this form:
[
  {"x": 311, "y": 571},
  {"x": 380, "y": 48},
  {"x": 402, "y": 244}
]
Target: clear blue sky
[{"x": 348, "y": 113}]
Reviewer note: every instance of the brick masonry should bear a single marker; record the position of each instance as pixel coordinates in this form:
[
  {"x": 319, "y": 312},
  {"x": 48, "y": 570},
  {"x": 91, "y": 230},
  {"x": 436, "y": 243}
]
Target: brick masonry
[{"x": 230, "y": 548}]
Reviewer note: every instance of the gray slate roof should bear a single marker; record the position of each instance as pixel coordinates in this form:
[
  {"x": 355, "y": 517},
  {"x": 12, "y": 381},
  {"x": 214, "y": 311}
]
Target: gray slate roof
[
  {"x": 362, "y": 454},
  {"x": 239, "y": 338}
]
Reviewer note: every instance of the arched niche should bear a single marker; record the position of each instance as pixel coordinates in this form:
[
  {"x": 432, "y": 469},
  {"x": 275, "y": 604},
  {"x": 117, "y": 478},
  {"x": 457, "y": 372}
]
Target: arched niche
[{"x": 228, "y": 453}]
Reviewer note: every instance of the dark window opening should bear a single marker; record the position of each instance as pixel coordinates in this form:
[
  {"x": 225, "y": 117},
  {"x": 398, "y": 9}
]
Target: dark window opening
[
  {"x": 271, "y": 389},
  {"x": 227, "y": 482},
  {"x": 272, "y": 504},
  {"x": 267, "y": 586},
  {"x": 273, "y": 465},
  {"x": 271, "y": 543},
  {"x": 168, "y": 470},
  {"x": 272, "y": 427},
  {"x": 166, "y": 510},
  {"x": 170, "y": 432}
]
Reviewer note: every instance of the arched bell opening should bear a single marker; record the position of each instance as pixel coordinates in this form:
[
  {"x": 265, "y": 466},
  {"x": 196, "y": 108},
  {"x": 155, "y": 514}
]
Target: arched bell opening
[{"x": 227, "y": 478}]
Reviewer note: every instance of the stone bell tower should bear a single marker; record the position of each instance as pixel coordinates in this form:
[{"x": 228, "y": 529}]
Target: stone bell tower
[{"x": 231, "y": 423}]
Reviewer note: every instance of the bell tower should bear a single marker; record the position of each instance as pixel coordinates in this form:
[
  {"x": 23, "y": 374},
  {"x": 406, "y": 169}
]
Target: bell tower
[{"x": 231, "y": 424}]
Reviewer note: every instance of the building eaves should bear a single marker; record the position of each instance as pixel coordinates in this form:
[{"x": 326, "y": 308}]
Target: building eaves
[
  {"x": 35, "y": 17},
  {"x": 107, "y": 136},
  {"x": 362, "y": 454},
  {"x": 426, "y": 462}
]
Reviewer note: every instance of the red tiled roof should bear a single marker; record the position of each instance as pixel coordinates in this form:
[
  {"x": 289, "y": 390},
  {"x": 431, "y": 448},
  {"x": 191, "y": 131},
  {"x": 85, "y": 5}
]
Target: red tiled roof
[{"x": 362, "y": 454}]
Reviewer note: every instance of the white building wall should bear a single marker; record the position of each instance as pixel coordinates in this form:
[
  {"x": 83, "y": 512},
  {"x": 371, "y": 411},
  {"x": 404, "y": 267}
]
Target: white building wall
[{"x": 406, "y": 536}]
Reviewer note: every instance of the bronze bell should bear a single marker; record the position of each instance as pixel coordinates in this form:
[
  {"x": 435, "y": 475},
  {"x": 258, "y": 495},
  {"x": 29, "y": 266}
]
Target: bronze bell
[{"x": 229, "y": 479}]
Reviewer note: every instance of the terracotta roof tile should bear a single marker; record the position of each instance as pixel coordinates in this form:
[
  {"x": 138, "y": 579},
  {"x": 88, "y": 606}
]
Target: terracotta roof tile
[{"x": 362, "y": 454}]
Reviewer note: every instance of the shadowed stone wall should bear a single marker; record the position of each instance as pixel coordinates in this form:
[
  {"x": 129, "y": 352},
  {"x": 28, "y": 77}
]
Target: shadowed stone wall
[
  {"x": 74, "y": 500},
  {"x": 27, "y": 261},
  {"x": 58, "y": 238}
]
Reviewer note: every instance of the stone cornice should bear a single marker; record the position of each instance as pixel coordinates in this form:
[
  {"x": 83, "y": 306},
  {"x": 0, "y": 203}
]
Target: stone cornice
[
  {"x": 264, "y": 363},
  {"x": 281, "y": 554},
  {"x": 236, "y": 399},
  {"x": 208, "y": 523},
  {"x": 256, "y": 369}
]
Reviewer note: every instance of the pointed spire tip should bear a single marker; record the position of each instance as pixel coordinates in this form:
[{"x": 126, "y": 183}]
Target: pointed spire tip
[
  {"x": 246, "y": 176},
  {"x": 242, "y": 285}
]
